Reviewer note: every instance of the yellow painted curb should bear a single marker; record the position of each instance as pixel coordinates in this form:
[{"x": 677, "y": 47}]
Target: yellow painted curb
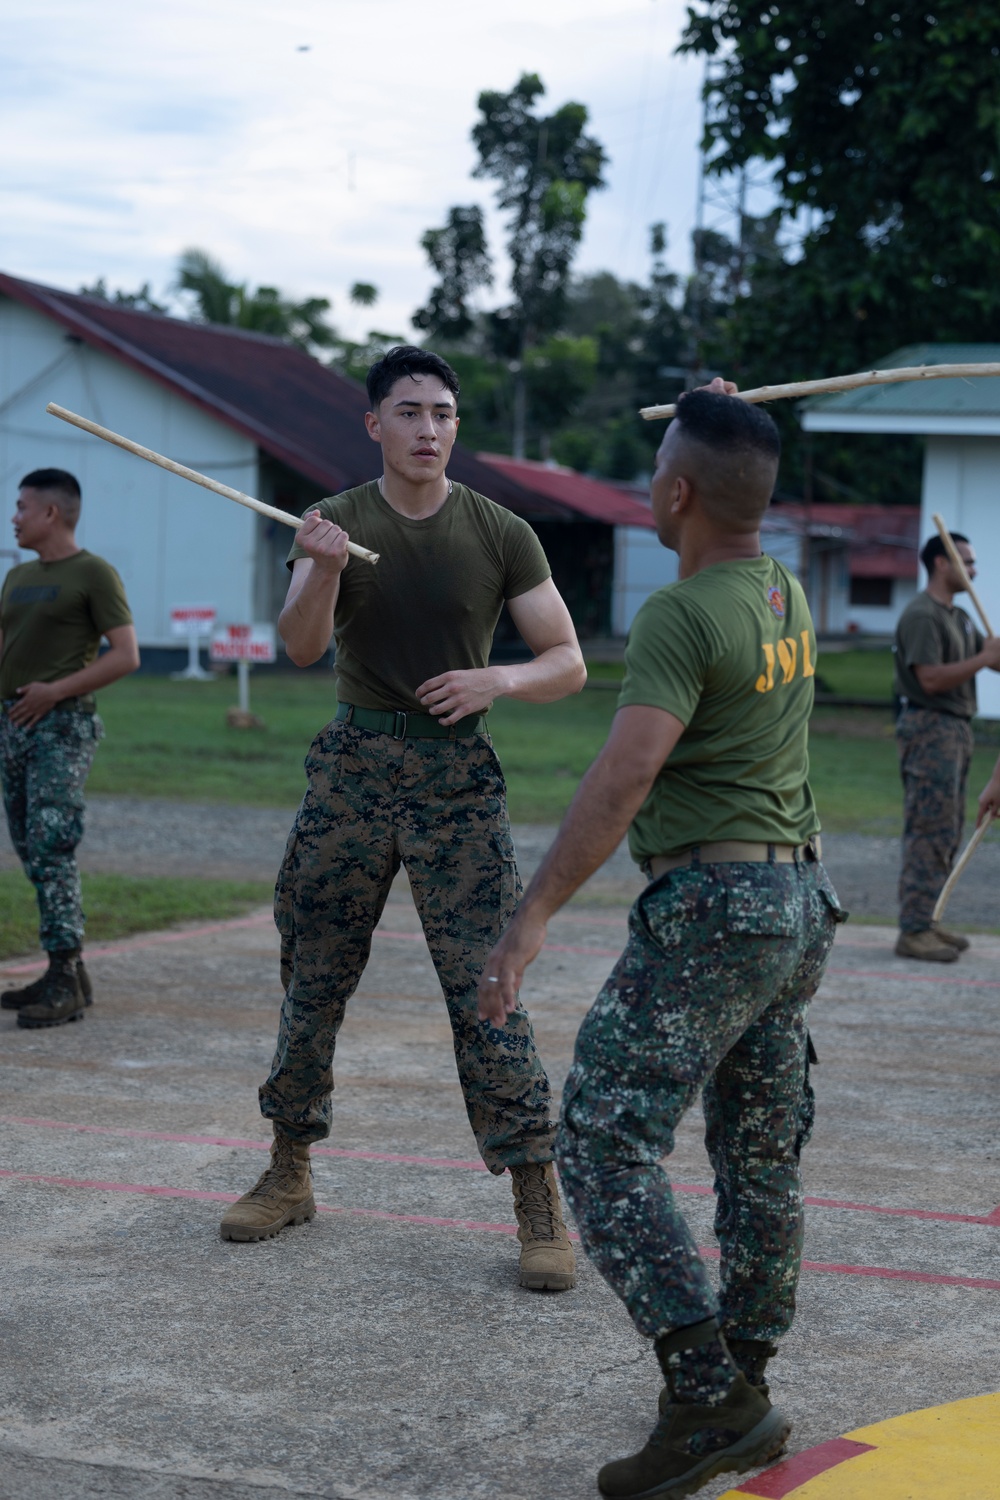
[{"x": 949, "y": 1452}]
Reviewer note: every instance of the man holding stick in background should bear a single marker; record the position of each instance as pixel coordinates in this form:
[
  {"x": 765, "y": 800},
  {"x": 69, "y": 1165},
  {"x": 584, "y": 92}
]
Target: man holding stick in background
[
  {"x": 706, "y": 768},
  {"x": 53, "y": 613},
  {"x": 938, "y": 653},
  {"x": 407, "y": 774}
]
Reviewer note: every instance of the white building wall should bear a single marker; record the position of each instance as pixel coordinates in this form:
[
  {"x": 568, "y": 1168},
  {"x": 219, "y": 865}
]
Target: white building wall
[
  {"x": 962, "y": 484},
  {"x": 171, "y": 541},
  {"x": 876, "y": 619},
  {"x": 642, "y": 565}
]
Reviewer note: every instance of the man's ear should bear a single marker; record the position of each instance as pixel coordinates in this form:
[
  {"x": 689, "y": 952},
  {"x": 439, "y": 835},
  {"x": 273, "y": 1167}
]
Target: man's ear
[
  {"x": 372, "y": 424},
  {"x": 682, "y": 496}
]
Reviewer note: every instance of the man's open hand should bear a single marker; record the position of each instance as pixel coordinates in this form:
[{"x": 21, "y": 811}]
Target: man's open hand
[
  {"x": 454, "y": 695},
  {"x": 34, "y": 701},
  {"x": 501, "y": 979}
]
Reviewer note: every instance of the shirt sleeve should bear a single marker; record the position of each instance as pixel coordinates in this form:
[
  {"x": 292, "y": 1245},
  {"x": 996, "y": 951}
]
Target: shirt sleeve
[
  {"x": 668, "y": 657},
  {"x": 921, "y": 641},
  {"x": 524, "y": 562},
  {"x": 108, "y": 604}
]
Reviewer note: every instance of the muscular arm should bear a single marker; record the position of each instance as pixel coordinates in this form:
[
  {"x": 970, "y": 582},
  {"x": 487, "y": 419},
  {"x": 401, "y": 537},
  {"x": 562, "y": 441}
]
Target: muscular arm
[
  {"x": 35, "y": 699},
  {"x": 556, "y": 671},
  {"x": 989, "y": 797},
  {"x": 943, "y": 676},
  {"x": 306, "y": 621},
  {"x": 606, "y": 801}
]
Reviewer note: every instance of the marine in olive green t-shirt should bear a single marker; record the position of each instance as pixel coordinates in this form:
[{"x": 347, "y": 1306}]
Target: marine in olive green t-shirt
[
  {"x": 53, "y": 614},
  {"x": 432, "y": 603},
  {"x": 932, "y": 634},
  {"x": 731, "y": 653}
]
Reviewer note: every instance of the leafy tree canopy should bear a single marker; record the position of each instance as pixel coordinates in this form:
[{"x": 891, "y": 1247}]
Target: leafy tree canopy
[{"x": 218, "y": 300}]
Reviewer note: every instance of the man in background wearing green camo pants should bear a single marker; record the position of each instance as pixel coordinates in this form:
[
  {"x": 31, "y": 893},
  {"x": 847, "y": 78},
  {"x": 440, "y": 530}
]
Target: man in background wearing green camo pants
[
  {"x": 53, "y": 613},
  {"x": 706, "y": 766},
  {"x": 406, "y": 774}
]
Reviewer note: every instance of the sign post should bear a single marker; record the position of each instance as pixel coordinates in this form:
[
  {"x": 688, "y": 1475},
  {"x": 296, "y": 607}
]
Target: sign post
[
  {"x": 244, "y": 644},
  {"x": 193, "y": 621}
]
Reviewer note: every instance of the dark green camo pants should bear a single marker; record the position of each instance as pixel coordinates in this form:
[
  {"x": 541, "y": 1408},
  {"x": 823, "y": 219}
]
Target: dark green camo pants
[
  {"x": 439, "y": 808},
  {"x": 710, "y": 993},
  {"x": 935, "y": 752},
  {"x": 44, "y": 770}
]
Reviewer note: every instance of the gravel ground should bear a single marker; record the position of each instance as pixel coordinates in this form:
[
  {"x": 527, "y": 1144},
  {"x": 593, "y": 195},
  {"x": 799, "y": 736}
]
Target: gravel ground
[{"x": 132, "y": 836}]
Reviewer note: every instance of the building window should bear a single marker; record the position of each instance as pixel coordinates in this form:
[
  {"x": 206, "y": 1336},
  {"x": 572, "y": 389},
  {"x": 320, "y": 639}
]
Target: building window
[{"x": 877, "y": 591}]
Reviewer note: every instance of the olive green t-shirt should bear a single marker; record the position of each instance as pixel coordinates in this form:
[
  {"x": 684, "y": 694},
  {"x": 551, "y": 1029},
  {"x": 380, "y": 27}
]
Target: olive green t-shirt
[
  {"x": 432, "y": 601},
  {"x": 53, "y": 615},
  {"x": 930, "y": 634},
  {"x": 730, "y": 652}
]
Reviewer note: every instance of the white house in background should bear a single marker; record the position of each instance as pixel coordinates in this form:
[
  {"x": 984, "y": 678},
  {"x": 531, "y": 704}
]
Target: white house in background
[
  {"x": 960, "y": 423},
  {"x": 241, "y": 407}
]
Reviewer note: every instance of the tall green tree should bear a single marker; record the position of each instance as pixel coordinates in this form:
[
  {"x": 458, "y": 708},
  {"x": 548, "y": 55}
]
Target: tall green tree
[
  {"x": 881, "y": 121},
  {"x": 460, "y": 257},
  {"x": 219, "y": 300}
]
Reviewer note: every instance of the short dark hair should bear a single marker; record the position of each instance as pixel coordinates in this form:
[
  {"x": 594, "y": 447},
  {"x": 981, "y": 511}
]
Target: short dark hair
[
  {"x": 407, "y": 359},
  {"x": 934, "y": 547},
  {"x": 732, "y": 449},
  {"x": 64, "y": 487}
]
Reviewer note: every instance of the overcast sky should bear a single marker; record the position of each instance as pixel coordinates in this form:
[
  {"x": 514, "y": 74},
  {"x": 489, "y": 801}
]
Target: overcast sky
[{"x": 134, "y": 130}]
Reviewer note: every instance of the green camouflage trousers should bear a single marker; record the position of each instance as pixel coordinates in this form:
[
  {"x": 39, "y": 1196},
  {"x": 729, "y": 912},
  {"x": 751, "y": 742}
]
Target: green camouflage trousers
[
  {"x": 43, "y": 771},
  {"x": 935, "y": 751},
  {"x": 710, "y": 993},
  {"x": 439, "y": 808}
]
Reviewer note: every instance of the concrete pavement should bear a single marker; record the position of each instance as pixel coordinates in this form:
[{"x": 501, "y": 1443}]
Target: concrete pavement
[{"x": 385, "y": 1351}]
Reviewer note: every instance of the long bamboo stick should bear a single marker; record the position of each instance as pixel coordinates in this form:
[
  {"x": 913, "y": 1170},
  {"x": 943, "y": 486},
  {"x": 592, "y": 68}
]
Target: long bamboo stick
[
  {"x": 959, "y": 566},
  {"x": 953, "y": 878},
  {"x": 185, "y": 473},
  {"x": 843, "y": 383}
]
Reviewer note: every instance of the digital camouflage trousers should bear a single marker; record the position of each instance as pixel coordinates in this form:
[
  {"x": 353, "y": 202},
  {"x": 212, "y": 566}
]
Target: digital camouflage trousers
[
  {"x": 935, "y": 752},
  {"x": 438, "y": 807},
  {"x": 44, "y": 771},
  {"x": 710, "y": 993}
]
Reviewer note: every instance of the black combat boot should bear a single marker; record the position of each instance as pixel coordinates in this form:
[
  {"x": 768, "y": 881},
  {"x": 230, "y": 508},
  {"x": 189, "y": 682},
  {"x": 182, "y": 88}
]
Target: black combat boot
[
  {"x": 61, "y": 997},
  {"x": 29, "y": 993}
]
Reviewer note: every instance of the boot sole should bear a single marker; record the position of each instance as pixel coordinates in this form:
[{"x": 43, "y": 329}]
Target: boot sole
[
  {"x": 762, "y": 1443},
  {"x": 247, "y": 1234},
  {"x": 548, "y": 1281},
  {"x": 33, "y": 1023}
]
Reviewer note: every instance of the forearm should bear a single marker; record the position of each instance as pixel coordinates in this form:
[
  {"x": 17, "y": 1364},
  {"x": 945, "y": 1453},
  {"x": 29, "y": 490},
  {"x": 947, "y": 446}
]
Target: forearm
[
  {"x": 943, "y": 677},
  {"x": 605, "y": 803},
  {"x": 553, "y": 674},
  {"x": 115, "y": 663},
  {"x": 306, "y": 622}
]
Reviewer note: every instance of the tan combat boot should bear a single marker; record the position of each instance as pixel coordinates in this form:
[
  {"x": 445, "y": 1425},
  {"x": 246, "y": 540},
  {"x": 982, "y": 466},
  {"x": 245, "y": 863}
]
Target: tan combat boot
[
  {"x": 926, "y": 945},
  {"x": 953, "y": 939},
  {"x": 283, "y": 1195},
  {"x": 547, "y": 1260}
]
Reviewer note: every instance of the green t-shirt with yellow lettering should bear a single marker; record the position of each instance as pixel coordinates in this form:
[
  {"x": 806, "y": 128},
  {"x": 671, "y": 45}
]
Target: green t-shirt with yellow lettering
[
  {"x": 731, "y": 652},
  {"x": 431, "y": 603}
]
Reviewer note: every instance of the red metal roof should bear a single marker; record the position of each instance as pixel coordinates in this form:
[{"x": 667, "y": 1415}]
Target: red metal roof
[
  {"x": 294, "y": 408},
  {"x": 593, "y": 498},
  {"x": 882, "y": 540}
]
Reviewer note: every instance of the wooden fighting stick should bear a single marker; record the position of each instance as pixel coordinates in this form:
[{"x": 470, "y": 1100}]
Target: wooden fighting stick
[
  {"x": 959, "y": 566},
  {"x": 843, "y": 383},
  {"x": 952, "y": 881},
  {"x": 185, "y": 473}
]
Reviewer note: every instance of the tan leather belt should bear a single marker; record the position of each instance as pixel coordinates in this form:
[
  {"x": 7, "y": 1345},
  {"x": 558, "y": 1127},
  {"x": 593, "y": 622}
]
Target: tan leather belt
[{"x": 734, "y": 851}]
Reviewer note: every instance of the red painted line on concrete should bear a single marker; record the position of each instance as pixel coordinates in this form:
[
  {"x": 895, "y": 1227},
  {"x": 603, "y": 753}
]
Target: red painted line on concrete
[
  {"x": 238, "y": 1142},
  {"x": 709, "y": 1252},
  {"x": 783, "y": 1478},
  {"x": 982, "y": 984},
  {"x": 153, "y": 940}
]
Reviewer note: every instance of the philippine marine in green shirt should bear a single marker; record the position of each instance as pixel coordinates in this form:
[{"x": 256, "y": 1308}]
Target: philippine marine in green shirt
[
  {"x": 53, "y": 613},
  {"x": 706, "y": 766}
]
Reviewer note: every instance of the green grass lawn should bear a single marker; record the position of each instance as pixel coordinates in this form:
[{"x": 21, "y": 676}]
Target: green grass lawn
[
  {"x": 856, "y": 674},
  {"x": 170, "y": 739},
  {"x": 117, "y": 905}
]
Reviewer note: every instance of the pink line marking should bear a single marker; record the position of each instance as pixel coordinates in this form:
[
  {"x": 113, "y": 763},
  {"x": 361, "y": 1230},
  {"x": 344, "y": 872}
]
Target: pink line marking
[
  {"x": 938, "y": 1215},
  {"x": 707, "y": 1251},
  {"x": 153, "y": 940},
  {"x": 983, "y": 984},
  {"x": 783, "y": 1478}
]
